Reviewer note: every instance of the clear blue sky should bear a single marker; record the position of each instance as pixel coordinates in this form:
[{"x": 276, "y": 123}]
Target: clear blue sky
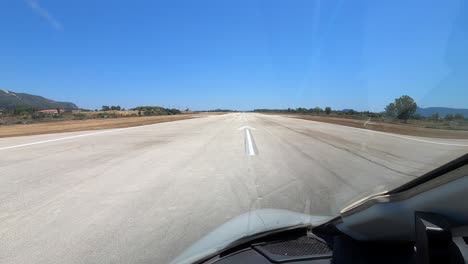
[{"x": 239, "y": 54}]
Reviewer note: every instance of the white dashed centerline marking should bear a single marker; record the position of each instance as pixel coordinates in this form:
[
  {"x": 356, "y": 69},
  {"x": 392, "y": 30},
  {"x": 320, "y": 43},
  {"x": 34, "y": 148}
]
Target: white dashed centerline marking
[
  {"x": 250, "y": 148},
  {"x": 249, "y": 144}
]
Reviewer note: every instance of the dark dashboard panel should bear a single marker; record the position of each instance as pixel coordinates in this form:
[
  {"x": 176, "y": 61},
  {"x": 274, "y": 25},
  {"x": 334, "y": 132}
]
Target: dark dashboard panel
[
  {"x": 372, "y": 234},
  {"x": 434, "y": 244}
]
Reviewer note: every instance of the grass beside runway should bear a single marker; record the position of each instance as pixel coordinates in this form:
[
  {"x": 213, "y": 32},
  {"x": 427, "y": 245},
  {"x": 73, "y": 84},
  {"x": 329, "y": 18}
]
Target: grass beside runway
[
  {"x": 404, "y": 129},
  {"x": 89, "y": 124}
]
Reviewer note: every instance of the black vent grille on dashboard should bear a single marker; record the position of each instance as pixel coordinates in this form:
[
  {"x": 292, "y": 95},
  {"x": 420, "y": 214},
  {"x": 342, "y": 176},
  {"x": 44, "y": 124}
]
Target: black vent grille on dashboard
[{"x": 303, "y": 246}]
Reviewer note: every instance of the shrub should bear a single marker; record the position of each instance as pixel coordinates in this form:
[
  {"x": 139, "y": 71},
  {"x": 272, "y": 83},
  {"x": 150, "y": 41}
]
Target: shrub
[
  {"x": 403, "y": 108},
  {"x": 79, "y": 116}
]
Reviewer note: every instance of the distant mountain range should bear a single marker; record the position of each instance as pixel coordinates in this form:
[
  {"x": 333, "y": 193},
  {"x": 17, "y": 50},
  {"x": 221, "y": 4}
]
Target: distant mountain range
[
  {"x": 9, "y": 100},
  {"x": 443, "y": 111}
]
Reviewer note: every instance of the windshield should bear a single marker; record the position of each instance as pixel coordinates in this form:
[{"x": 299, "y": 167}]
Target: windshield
[{"x": 130, "y": 130}]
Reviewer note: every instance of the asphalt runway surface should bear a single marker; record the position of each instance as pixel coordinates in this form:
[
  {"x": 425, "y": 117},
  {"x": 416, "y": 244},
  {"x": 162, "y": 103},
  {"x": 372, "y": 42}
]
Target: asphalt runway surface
[{"x": 144, "y": 194}]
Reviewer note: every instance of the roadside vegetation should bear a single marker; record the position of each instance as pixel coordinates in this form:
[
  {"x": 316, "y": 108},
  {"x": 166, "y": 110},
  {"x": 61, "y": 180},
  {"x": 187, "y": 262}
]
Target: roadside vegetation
[
  {"x": 402, "y": 111},
  {"x": 28, "y": 115},
  {"x": 89, "y": 124},
  {"x": 217, "y": 111},
  {"x": 156, "y": 110}
]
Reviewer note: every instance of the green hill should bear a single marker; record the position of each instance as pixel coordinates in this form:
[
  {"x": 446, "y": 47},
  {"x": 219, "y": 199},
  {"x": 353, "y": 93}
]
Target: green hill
[
  {"x": 10, "y": 100},
  {"x": 442, "y": 111}
]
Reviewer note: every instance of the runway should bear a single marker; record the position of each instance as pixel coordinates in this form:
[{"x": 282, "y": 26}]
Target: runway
[{"x": 144, "y": 194}]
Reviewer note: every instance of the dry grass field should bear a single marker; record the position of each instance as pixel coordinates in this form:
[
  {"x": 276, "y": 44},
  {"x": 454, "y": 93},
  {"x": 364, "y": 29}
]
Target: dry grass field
[
  {"x": 412, "y": 129},
  {"x": 88, "y": 124}
]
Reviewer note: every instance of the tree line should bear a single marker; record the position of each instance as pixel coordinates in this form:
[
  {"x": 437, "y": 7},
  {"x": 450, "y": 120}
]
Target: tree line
[
  {"x": 402, "y": 108},
  {"x": 112, "y": 108},
  {"x": 301, "y": 110},
  {"x": 155, "y": 110}
]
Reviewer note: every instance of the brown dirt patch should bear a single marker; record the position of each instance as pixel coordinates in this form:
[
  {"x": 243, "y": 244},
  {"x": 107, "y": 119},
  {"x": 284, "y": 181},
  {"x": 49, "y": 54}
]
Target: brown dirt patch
[
  {"x": 88, "y": 124},
  {"x": 391, "y": 128}
]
